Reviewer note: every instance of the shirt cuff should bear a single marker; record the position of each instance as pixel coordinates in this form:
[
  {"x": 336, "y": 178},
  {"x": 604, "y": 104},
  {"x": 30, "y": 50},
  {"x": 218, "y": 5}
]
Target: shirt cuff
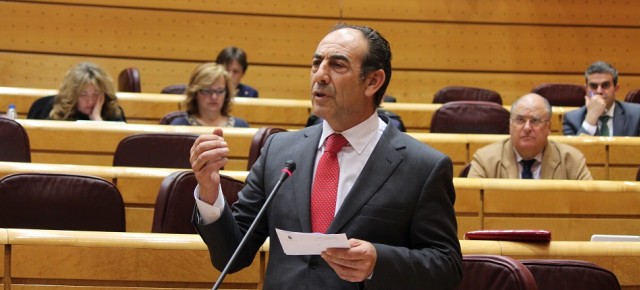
[
  {"x": 209, "y": 213},
  {"x": 589, "y": 128}
]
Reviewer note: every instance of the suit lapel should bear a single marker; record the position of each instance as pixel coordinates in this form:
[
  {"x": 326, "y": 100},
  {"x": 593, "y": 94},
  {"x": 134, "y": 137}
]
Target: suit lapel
[
  {"x": 509, "y": 166},
  {"x": 619, "y": 121},
  {"x": 303, "y": 177},
  {"x": 384, "y": 160},
  {"x": 550, "y": 162}
]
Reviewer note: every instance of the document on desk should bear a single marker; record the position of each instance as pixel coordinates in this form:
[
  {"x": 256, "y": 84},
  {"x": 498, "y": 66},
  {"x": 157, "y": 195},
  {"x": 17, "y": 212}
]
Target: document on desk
[{"x": 295, "y": 243}]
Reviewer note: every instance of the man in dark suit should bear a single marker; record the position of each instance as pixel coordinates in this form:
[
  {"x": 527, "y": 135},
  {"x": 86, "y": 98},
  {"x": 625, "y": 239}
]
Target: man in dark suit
[
  {"x": 602, "y": 115},
  {"x": 394, "y": 197}
]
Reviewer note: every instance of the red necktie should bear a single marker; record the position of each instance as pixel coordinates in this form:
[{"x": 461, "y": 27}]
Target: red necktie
[{"x": 325, "y": 185}]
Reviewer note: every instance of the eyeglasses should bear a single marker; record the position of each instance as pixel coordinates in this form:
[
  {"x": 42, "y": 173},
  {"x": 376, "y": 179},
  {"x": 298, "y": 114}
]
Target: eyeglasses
[
  {"x": 604, "y": 86},
  {"x": 534, "y": 122},
  {"x": 210, "y": 92}
]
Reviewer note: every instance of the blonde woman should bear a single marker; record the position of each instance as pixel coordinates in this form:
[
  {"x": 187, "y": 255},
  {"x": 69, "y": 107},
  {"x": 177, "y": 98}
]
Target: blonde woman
[
  {"x": 86, "y": 93},
  {"x": 209, "y": 97}
]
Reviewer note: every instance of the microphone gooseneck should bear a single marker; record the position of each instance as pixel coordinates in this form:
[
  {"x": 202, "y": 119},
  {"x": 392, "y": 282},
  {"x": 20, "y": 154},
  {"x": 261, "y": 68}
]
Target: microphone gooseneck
[{"x": 288, "y": 169}]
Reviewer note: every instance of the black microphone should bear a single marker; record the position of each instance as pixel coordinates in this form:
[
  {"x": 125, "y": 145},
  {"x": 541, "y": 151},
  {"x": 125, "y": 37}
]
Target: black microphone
[{"x": 288, "y": 169}]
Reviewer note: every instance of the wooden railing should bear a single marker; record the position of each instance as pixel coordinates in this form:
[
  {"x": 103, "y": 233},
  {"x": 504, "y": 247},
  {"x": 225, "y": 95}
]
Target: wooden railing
[
  {"x": 139, "y": 186},
  {"x": 284, "y": 113},
  {"x": 90, "y": 260},
  {"x": 91, "y": 143},
  {"x": 571, "y": 210}
]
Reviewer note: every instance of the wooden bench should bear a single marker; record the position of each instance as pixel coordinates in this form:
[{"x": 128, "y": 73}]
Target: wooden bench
[
  {"x": 86, "y": 260},
  {"x": 139, "y": 186},
  {"x": 284, "y": 113},
  {"x": 621, "y": 258},
  {"x": 573, "y": 211},
  {"x": 150, "y": 108},
  {"x": 90, "y": 260},
  {"x": 570, "y": 210},
  {"x": 90, "y": 143}
]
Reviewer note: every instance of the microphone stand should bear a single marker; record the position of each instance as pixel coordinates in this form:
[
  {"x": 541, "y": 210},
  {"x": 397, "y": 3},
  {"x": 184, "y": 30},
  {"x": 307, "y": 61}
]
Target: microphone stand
[{"x": 286, "y": 172}]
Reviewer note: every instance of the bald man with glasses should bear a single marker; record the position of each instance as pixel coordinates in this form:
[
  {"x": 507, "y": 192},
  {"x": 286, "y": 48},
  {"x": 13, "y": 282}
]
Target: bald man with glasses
[
  {"x": 602, "y": 115},
  {"x": 527, "y": 153}
]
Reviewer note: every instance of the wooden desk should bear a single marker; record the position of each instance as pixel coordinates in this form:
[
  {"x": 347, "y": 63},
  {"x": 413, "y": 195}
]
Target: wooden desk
[
  {"x": 621, "y": 258},
  {"x": 150, "y": 261},
  {"x": 86, "y": 260},
  {"x": 570, "y": 210},
  {"x": 92, "y": 143},
  {"x": 145, "y": 108},
  {"x": 284, "y": 113},
  {"x": 139, "y": 186}
]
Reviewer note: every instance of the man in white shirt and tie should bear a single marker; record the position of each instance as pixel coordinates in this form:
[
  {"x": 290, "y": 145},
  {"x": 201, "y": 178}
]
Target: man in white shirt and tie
[{"x": 602, "y": 114}]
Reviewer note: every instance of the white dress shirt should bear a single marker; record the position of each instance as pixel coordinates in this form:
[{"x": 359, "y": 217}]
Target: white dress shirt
[
  {"x": 592, "y": 129},
  {"x": 535, "y": 168},
  {"x": 362, "y": 138}
]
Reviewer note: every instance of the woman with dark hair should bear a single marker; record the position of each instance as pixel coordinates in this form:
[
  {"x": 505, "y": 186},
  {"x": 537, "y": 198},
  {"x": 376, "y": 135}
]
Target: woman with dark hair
[
  {"x": 209, "y": 99},
  {"x": 234, "y": 60}
]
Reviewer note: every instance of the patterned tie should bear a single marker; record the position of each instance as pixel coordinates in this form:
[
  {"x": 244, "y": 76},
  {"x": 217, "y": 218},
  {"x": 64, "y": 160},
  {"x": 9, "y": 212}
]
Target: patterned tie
[
  {"x": 604, "y": 128},
  {"x": 526, "y": 168},
  {"x": 325, "y": 185}
]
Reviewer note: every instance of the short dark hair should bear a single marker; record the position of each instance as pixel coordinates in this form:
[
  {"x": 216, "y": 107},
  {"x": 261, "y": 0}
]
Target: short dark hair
[
  {"x": 601, "y": 67},
  {"x": 378, "y": 57},
  {"x": 231, "y": 53}
]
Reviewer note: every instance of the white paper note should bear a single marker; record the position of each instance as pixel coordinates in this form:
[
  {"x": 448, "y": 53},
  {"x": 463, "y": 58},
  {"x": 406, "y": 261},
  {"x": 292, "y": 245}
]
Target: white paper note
[{"x": 295, "y": 243}]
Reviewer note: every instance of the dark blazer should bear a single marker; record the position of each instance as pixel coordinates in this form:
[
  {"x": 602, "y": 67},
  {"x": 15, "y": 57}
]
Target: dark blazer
[
  {"x": 246, "y": 91},
  {"x": 41, "y": 108},
  {"x": 402, "y": 202},
  {"x": 626, "y": 120}
]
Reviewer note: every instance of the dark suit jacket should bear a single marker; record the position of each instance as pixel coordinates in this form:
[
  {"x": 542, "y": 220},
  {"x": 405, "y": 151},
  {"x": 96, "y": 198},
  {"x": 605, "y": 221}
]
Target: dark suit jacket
[
  {"x": 402, "y": 202},
  {"x": 247, "y": 91},
  {"x": 626, "y": 120}
]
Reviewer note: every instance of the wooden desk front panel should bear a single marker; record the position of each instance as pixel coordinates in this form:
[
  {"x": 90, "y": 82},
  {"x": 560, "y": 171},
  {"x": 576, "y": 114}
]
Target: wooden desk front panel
[
  {"x": 137, "y": 260},
  {"x": 146, "y": 108},
  {"x": 596, "y": 198},
  {"x": 114, "y": 260},
  {"x": 589, "y": 208},
  {"x": 80, "y": 142},
  {"x": 624, "y": 158},
  {"x": 468, "y": 205},
  {"x": 566, "y": 228},
  {"x": 622, "y": 258}
]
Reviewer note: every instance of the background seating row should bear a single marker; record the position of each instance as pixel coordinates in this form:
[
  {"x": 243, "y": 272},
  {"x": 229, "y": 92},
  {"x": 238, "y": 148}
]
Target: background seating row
[
  {"x": 570, "y": 210},
  {"x": 611, "y": 158}
]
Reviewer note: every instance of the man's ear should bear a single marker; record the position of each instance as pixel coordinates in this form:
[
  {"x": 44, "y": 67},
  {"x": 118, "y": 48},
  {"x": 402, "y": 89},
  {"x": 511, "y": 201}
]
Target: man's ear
[{"x": 373, "y": 82}]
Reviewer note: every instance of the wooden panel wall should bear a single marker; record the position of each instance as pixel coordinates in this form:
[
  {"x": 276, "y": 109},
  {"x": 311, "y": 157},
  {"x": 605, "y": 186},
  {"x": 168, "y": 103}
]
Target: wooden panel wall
[{"x": 507, "y": 46}]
